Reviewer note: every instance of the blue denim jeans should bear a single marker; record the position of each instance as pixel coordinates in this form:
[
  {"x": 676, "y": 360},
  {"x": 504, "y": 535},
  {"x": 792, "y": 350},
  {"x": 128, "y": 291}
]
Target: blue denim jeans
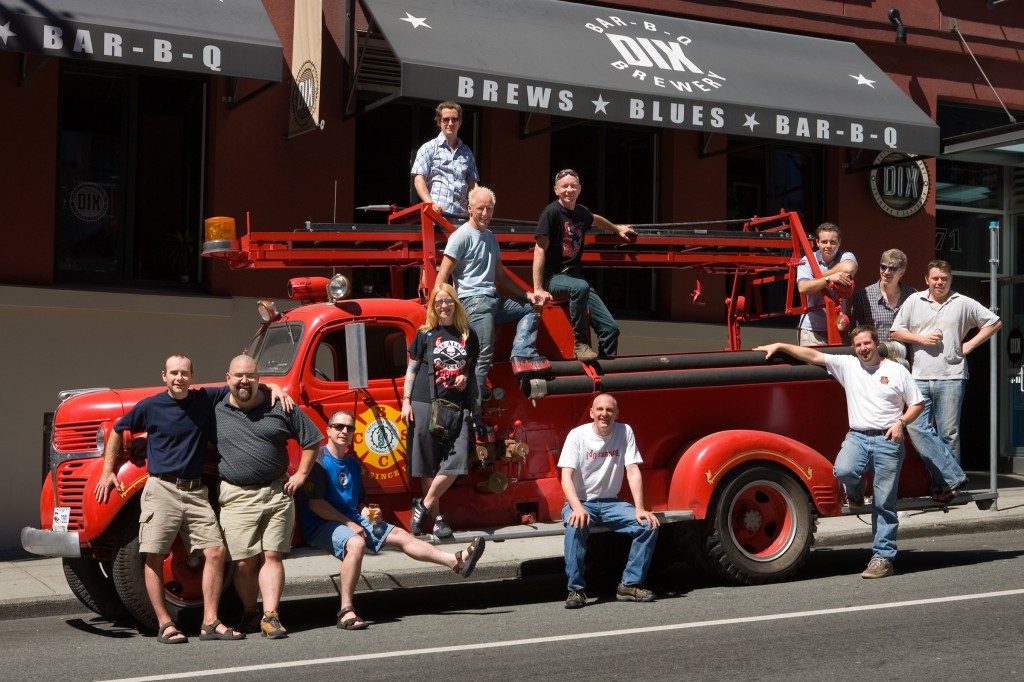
[
  {"x": 860, "y": 454},
  {"x": 486, "y": 311},
  {"x": 942, "y": 401},
  {"x": 581, "y": 300},
  {"x": 617, "y": 516},
  {"x": 941, "y": 464}
]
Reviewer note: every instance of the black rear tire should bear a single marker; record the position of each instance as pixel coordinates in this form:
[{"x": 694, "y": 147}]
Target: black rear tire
[
  {"x": 762, "y": 526},
  {"x": 92, "y": 582}
]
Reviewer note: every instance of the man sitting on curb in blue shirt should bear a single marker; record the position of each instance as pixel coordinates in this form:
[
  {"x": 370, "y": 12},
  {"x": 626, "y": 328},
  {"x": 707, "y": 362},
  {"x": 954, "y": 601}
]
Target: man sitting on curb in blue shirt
[{"x": 328, "y": 503}]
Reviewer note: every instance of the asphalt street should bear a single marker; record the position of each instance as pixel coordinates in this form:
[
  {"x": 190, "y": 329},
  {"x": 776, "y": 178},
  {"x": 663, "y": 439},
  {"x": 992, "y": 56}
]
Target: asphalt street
[{"x": 952, "y": 611}]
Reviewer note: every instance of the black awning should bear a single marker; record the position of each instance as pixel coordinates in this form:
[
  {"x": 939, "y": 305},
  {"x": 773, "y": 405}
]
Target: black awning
[
  {"x": 582, "y": 61},
  {"x": 226, "y": 37}
]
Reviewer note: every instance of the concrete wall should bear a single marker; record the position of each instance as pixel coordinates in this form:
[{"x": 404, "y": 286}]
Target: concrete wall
[{"x": 56, "y": 339}]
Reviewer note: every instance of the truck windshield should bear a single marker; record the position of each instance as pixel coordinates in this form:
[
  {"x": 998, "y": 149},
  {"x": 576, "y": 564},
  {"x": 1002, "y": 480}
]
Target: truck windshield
[{"x": 275, "y": 347}]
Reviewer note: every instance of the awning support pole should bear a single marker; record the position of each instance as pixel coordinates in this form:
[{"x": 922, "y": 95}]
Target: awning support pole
[
  {"x": 525, "y": 133},
  {"x": 353, "y": 88},
  {"x": 993, "y": 359},
  {"x": 25, "y": 76},
  {"x": 233, "y": 101}
]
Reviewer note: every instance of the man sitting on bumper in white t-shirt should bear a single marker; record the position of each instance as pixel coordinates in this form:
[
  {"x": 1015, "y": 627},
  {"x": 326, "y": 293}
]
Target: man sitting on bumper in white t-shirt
[{"x": 593, "y": 461}]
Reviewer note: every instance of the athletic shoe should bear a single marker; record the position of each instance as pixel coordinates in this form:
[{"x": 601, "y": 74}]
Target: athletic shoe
[
  {"x": 878, "y": 567},
  {"x": 271, "y": 626},
  {"x": 441, "y": 527},
  {"x": 419, "y": 515}
]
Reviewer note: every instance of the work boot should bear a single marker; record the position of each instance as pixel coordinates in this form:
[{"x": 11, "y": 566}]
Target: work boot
[
  {"x": 633, "y": 593},
  {"x": 855, "y": 498},
  {"x": 577, "y": 600},
  {"x": 584, "y": 352},
  {"x": 271, "y": 626},
  {"x": 878, "y": 567}
]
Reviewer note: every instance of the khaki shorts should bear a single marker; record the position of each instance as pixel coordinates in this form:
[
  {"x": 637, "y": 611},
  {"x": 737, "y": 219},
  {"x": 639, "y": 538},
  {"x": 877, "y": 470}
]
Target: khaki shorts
[
  {"x": 256, "y": 519},
  {"x": 813, "y": 338},
  {"x": 168, "y": 512}
]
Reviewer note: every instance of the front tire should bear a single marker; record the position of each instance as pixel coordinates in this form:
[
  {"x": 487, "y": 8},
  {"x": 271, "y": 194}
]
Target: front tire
[
  {"x": 762, "y": 527},
  {"x": 92, "y": 582},
  {"x": 130, "y": 581}
]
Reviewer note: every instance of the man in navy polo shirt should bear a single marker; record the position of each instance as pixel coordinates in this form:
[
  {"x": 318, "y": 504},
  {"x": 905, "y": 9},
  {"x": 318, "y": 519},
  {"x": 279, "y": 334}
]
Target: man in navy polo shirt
[{"x": 178, "y": 423}]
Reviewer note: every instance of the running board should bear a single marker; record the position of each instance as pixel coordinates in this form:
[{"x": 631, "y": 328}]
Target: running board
[
  {"x": 538, "y": 530},
  {"x": 519, "y": 532},
  {"x": 928, "y": 504}
]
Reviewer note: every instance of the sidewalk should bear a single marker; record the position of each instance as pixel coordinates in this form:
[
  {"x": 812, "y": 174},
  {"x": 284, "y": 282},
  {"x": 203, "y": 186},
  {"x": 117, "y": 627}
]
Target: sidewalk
[{"x": 32, "y": 587}]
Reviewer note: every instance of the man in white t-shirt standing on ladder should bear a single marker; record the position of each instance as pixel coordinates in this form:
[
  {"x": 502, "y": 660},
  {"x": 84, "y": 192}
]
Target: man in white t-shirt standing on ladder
[{"x": 593, "y": 461}]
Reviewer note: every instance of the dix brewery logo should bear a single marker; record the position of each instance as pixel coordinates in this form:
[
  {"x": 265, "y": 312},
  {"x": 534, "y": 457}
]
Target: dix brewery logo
[{"x": 654, "y": 56}]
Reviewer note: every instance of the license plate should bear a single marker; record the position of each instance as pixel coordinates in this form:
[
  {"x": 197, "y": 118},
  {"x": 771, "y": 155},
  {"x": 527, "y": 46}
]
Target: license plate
[{"x": 61, "y": 517}]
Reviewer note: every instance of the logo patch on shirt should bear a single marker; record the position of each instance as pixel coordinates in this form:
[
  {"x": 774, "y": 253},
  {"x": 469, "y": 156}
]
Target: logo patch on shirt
[{"x": 884, "y": 380}]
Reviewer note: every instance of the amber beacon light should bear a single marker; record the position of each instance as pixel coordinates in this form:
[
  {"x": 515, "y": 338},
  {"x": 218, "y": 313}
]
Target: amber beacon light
[{"x": 219, "y": 235}]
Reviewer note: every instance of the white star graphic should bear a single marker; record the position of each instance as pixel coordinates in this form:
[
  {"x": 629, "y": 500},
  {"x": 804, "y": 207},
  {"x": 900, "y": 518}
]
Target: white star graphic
[
  {"x": 751, "y": 122},
  {"x": 6, "y": 32},
  {"x": 416, "y": 21},
  {"x": 600, "y": 105},
  {"x": 861, "y": 80}
]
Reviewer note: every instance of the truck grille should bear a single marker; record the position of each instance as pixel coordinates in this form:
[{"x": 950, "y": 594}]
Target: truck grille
[
  {"x": 76, "y": 437},
  {"x": 71, "y": 491}
]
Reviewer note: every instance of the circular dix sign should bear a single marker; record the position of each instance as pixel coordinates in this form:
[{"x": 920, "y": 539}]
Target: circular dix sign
[{"x": 899, "y": 183}]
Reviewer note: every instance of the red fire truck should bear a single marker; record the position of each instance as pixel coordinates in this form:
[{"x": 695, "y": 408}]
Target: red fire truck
[{"x": 737, "y": 453}]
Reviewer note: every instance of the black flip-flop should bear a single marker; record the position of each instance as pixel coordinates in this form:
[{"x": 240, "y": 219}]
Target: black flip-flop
[{"x": 472, "y": 554}]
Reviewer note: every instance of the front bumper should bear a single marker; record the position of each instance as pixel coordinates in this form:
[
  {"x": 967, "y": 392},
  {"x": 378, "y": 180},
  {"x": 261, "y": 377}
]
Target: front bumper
[{"x": 51, "y": 543}]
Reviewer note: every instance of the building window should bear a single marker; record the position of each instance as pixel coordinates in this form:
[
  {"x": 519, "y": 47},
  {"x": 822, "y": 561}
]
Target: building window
[
  {"x": 128, "y": 178},
  {"x": 617, "y": 168},
  {"x": 768, "y": 178}
]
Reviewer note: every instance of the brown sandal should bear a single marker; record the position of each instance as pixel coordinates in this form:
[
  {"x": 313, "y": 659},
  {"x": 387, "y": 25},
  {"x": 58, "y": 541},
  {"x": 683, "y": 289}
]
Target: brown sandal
[
  {"x": 355, "y": 623},
  {"x": 465, "y": 560}
]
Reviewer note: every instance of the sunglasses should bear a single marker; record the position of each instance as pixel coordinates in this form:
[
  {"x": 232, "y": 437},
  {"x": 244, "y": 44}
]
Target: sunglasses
[
  {"x": 441, "y": 304},
  {"x": 889, "y": 268},
  {"x": 343, "y": 427},
  {"x": 568, "y": 171},
  {"x": 451, "y": 119}
]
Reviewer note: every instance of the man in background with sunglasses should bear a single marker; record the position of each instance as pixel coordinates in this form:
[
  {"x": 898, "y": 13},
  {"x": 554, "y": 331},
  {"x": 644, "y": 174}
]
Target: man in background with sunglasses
[
  {"x": 878, "y": 303},
  {"x": 558, "y": 257},
  {"x": 444, "y": 170}
]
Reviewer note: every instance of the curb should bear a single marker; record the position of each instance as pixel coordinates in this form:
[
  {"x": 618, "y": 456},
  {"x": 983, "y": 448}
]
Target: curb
[
  {"x": 325, "y": 585},
  {"x": 844, "y": 538}
]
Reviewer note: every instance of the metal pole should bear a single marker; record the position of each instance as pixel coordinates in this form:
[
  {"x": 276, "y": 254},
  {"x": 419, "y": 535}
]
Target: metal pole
[{"x": 993, "y": 356}]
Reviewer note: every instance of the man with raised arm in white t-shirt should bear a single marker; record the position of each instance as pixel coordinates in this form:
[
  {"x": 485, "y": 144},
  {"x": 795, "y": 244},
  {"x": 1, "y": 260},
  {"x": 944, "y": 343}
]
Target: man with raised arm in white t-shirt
[{"x": 881, "y": 399}]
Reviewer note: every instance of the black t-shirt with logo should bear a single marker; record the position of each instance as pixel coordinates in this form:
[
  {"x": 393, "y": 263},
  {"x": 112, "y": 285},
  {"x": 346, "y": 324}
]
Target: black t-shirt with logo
[
  {"x": 565, "y": 230},
  {"x": 451, "y": 356}
]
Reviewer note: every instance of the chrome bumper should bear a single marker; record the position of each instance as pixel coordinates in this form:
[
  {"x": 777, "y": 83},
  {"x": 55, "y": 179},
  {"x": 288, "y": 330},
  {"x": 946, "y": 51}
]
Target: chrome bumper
[{"x": 50, "y": 543}]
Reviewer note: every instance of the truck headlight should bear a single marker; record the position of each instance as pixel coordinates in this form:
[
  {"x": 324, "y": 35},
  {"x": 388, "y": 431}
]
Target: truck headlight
[{"x": 338, "y": 288}]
